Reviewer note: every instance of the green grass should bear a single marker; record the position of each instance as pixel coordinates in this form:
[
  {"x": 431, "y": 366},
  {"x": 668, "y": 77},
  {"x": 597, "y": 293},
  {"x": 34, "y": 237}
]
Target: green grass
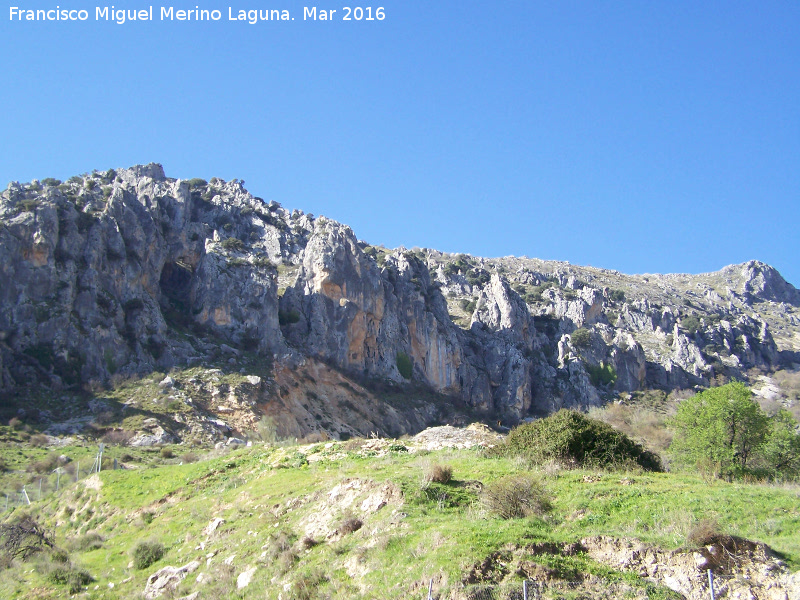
[{"x": 439, "y": 530}]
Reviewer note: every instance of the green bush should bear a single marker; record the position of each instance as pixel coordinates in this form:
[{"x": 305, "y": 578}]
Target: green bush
[
  {"x": 197, "y": 182},
  {"x": 581, "y": 338},
  {"x": 602, "y": 374},
  {"x": 572, "y": 438},
  {"x": 690, "y": 324},
  {"x": 617, "y": 296},
  {"x": 516, "y": 497},
  {"x": 404, "y": 365},
  {"x": 51, "y": 182},
  {"x": 147, "y": 553},
  {"x": 468, "y": 306},
  {"x": 233, "y": 244}
]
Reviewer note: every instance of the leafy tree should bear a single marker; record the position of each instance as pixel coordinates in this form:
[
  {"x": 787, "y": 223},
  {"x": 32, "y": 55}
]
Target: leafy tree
[
  {"x": 581, "y": 338},
  {"x": 720, "y": 429},
  {"x": 781, "y": 450}
]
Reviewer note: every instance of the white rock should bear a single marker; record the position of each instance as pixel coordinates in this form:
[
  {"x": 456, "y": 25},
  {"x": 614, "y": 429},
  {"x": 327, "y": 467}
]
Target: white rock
[{"x": 244, "y": 578}]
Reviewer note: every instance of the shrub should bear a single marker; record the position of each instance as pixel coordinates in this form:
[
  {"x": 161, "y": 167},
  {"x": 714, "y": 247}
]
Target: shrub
[
  {"x": 516, "y": 497},
  {"x": 44, "y": 465},
  {"x": 167, "y": 453},
  {"x": 573, "y": 438},
  {"x": 438, "y": 473},
  {"x": 704, "y": 532},
  {"x": 60, "y": 571},
  {"x": 147, "y": 553},
  {"x": 305, "y": 585},
  {"x": 39, "y": 440},
  {"x": 197, "y": 182},
  {"x": 51, "y": 182},
  {"x": 581, "y": 338},
  {"x": 233, "y": 244},
  {"x": 690, "y": 324},
  {"x": 350, "y": 524},
  {"x": 15, "y": 423},
  {"x": 602, "y": 374},
  {"x": 404, "y": 365},
  {"x": 117, "y": 437},
  {"x": 90, "y": 541},
  {"x": 617, "y": 296},
  {"x": 189, "y": 457}
]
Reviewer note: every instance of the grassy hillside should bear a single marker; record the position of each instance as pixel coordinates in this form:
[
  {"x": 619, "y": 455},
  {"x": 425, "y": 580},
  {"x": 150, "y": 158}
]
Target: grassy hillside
[{"x": 367, "y": 519}]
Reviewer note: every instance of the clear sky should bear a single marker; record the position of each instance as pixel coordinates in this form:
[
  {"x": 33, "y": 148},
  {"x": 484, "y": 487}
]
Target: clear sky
[{"x": 637, "y": 136}]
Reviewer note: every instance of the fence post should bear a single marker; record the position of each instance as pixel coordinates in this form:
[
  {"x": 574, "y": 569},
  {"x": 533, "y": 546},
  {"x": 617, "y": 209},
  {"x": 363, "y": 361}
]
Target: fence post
[
  {"x": 430, "y": 590},
  {"x": 525, "y": 589},
  {"x": 711, "y": 583}
]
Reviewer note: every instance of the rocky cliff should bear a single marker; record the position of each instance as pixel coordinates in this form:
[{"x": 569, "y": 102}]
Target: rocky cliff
[{"x": 122, "y": 273}]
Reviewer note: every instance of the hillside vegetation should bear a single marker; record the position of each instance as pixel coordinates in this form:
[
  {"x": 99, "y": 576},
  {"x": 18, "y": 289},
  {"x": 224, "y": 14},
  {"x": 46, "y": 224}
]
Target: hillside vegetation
[{"x": 378, "y": 518}]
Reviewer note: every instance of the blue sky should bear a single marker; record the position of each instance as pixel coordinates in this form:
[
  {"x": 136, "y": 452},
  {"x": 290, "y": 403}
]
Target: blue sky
[{"x": 638, "y": 136}]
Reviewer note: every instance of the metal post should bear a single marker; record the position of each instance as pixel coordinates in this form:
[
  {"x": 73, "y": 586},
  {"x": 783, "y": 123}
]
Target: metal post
[
  {"x": 40, "y": 488},
  {"x": 77, "y": 470},
  {"x": 711, "y": 583},
  {"x": 525, "y": 589},
  {"x": 24, "y": 493},
  {"x": 6, "y": 501},
  {"x": 430, "y": 590}
]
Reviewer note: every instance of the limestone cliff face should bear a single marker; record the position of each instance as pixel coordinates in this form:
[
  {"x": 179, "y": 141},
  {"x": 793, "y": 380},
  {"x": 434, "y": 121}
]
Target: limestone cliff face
[{"x": 128, "y": 271}]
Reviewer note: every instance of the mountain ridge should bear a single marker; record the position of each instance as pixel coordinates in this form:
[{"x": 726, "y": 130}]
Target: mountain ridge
[{"x": 127, "y": 272}]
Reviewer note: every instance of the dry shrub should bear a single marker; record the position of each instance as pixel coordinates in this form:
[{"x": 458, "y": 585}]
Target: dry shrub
[
  {"x": 353, "y": 444},
  {"x": 437, "y": 473},
  {"x": 167, "y": 453},
  {"x": 45, "y": 465},
  {"x": 705, "y": 532},
  {"x": 516, "y": 496},
  {"x": 315, "y": 437},
  {"x": 189, "y": 457},
  {"x": 15, "y": 423},
  {"x": 117, "y": 437},
  {"x": 308, "y": 542},
  {"x": 23, "y": 538},
  {"x": 39, "y": 440},
  {"x": 279, "y": 551},
  {"x": 305, "y": 585},
  {"x": 350, "y": 524},
  {"x": 89, "y": 541}
]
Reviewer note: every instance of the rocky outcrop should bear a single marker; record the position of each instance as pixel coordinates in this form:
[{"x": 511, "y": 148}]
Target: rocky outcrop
[{"x": 125, "y": 272}]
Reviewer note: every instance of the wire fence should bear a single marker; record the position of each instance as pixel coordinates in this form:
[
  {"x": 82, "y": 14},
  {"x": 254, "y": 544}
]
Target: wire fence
[{"x": 52, "y": 482}]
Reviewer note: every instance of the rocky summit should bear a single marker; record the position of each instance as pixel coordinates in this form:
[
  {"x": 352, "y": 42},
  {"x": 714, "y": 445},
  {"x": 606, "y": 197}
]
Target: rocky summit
[{"x": 252, "y": 309}]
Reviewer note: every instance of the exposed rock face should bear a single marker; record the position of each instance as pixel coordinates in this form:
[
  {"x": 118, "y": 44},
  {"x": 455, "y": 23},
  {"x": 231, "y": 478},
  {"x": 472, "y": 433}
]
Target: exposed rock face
[
  {"x": 167, "y": 579},
  {"x": 128, "y": 272}
]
